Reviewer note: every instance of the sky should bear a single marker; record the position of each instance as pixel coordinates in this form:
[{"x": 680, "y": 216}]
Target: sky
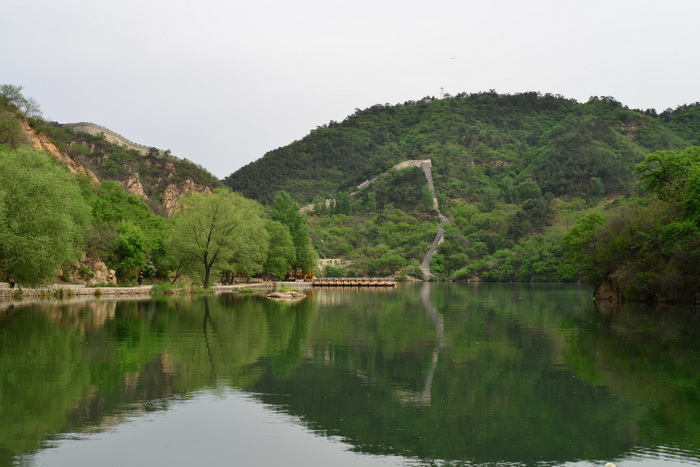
[{"x": 222, "y": 82}]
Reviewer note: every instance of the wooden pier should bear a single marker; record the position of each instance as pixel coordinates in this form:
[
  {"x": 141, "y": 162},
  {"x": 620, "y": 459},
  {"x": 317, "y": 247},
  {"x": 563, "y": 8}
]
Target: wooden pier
[{"x": 353, "y": 282}]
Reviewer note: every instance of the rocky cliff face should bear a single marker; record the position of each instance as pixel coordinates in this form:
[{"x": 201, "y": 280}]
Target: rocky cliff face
[
  {"x": 162, "y": 186},
  {"x": 42, "y": 142},
  {"x": 173, "y": 192}
]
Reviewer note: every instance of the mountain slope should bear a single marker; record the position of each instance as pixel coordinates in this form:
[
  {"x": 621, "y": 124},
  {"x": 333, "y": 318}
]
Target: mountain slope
[
  {"x": 477, "y": 142},
  {"x": 154, "y": 175}
]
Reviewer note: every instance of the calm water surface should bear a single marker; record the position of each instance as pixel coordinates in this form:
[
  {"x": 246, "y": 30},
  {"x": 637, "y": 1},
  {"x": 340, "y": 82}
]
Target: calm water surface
[{"x": 421, "y": 375}]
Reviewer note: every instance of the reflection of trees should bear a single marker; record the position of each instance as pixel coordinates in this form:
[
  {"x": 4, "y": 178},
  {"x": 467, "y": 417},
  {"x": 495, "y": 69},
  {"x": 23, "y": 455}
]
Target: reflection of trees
[
  {"x": 64, "y": 368},
  {"x": 648, "y": 355}
]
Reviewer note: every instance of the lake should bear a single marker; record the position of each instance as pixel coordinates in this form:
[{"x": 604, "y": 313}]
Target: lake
[{"x": 417, "y": 375}]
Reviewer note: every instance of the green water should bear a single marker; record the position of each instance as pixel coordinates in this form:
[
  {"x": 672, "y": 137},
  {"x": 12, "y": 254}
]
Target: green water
[{"x": 420, "y": 375}]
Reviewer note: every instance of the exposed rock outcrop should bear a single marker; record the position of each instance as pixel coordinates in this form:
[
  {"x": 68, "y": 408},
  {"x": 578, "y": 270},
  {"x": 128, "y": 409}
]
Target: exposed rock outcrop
[
  {"x": 133, "y": 185},
  {"x": 89, "y": 272},
  {"x": 173, "y": 192},
  {"x": 42, "y": 142},
  {"x": 609, "y": 291}
]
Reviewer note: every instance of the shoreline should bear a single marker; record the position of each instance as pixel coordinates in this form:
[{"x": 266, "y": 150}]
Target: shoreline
[{"x": 56, "y": 291}]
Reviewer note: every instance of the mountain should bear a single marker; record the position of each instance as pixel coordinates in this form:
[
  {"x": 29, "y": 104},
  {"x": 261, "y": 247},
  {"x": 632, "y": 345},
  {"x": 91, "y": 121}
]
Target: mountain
[
  {"x": 477, "y": 142},
  {"x": 512, "y": 174},
  {"x": 156, "y": 176},
  {"x": 100, "y": 154}
]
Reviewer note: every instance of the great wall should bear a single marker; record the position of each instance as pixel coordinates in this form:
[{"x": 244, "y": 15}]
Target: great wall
[
  {"x": 426, "y": 166},
  {"x": 110, "y": 136}
]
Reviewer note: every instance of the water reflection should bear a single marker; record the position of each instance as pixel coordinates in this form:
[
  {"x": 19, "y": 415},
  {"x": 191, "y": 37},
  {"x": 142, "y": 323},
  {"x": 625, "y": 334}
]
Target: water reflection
[{"x": 432, "y": 374}]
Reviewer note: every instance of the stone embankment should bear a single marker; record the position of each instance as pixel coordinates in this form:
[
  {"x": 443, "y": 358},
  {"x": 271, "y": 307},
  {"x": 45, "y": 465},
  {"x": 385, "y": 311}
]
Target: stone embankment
[
  {"x": 6, "y": 293},
  {"x": 81, "y": 291}
]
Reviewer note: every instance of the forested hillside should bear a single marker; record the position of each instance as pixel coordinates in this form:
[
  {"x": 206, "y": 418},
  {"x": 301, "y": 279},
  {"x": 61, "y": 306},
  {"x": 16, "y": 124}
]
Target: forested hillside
[
  {"x": 478, "y": 143},
  {"x": 157, "y": 177},
  {"x": 513, "y": 173}
]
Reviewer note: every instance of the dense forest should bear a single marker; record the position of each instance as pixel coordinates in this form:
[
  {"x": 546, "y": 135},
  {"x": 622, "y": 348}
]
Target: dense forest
[{"x": 514, "y": 174}]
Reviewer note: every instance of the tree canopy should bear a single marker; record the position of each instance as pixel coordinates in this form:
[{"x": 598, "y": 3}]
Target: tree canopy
[
  {"x": 213, "y": 232},
  {"x": 286, "y": 211},
  {"x": 42, "y": 215}
]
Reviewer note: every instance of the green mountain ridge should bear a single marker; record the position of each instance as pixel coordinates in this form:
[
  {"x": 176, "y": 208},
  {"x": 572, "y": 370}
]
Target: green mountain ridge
[{"x": 474, "y": 140}]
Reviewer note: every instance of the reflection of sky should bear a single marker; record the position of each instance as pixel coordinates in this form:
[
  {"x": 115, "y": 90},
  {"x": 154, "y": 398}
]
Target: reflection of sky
[
  {"x": 233, "y": 429},
  {"x": 227, "y": 429}
]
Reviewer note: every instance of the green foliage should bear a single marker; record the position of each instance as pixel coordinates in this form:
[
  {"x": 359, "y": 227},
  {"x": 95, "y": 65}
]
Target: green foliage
[
  {"x": 647, "y": 247},
  {"x": 282, "y": 254},
  {"x": 684, "y": 121},
  {"x": 286, "y": 211},
  {"x": 333, "y": 271},
  {"x": 666, "y": 173},
  {"x": 42, "y": 215},
  {"x": 11, "y": 97},
  {"x": 155, "y": 171},
  {"x": 130, "y": 249},
  {"x": 125, "y": 233},
  {"x": 477, "y": 143},
  {"x": 597, "y": 187},
  {"x": 10, "y": 131},
  {"x": 217, "y": 232},
  {"x": 537, "y": 258}
]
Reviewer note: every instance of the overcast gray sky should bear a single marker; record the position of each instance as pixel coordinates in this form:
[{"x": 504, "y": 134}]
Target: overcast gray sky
[{"x": 223, "y": 82}]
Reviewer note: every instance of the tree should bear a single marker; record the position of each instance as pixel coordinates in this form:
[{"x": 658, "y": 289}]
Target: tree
[
  {"x": 527, "y": 189},
  {"x": 286, "y": 211},
  {"x": 130, "y": 249},
  {"x": 215, "y": 230},
  {"x": 597, "y": 187},
  {"x": 665, "y": 173},
  {"x": 584, "y": 246},
  {"x": 43, "y": 215},
  {"x": 11, "y": 95},
  {"x": 281, "y": 254},
  {"x": 10, "y": 131}
]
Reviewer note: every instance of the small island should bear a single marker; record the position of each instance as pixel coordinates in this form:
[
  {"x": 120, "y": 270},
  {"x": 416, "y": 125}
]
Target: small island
[{"x": 288, "y": 295}]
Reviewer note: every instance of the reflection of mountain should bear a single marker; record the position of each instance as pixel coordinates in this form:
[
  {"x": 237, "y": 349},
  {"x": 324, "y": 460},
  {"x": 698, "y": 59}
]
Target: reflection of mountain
[
  {"x": 424, "y": 383},
  {"x": 478, "y": 373}
]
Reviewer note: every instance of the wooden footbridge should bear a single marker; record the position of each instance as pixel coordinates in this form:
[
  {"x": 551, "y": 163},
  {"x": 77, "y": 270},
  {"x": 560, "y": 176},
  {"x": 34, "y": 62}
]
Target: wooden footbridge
[{"x": 353, "y": 282}]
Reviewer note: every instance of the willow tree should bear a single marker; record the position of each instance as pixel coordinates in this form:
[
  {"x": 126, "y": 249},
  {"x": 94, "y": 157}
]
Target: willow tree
[
  {"x": 43, "y": 215},
  {"x": 213, "y": 231}
]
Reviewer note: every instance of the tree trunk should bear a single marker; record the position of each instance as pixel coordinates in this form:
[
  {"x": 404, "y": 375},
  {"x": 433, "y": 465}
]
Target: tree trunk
[{"x": 207, "y": 274}]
